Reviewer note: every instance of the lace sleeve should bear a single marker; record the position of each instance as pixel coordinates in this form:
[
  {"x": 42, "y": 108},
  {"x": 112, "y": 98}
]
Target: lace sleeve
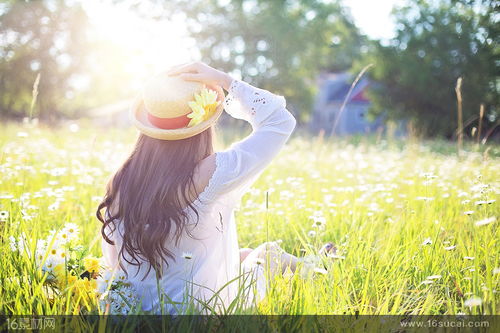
[
  {"x": 239, "y": 165},
  {"x": 250, "y": 103}
]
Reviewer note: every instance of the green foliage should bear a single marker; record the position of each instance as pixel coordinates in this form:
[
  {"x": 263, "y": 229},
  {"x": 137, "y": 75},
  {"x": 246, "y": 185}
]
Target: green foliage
[
  {"x": 45, "y": 37},
  {"x": 436, "y": 43},
  {"x": 275, "y": 44}
]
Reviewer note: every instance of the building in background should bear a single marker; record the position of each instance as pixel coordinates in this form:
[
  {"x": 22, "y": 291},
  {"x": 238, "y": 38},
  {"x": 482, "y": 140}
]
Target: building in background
[{"x": 333, "y": 89}]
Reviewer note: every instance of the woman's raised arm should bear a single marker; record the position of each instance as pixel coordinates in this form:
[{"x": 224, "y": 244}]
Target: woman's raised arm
[{"x": 238, "y": 166}]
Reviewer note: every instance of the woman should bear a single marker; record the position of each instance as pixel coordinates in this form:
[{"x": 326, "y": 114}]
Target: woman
[{"x": 169, "y": 220}]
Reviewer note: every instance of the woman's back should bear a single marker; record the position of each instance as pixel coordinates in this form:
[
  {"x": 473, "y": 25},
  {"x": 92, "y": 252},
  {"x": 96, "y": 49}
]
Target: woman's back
[{"x": 205, "y": 263}]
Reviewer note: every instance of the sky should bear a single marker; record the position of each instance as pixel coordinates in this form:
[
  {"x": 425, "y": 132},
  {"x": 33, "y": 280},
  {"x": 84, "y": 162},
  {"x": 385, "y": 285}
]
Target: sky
[{"x": 373, "y": 16}]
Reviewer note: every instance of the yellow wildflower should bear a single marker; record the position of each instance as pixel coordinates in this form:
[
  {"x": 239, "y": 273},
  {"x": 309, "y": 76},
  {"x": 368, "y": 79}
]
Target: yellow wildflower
[
  {"x": 91, "y": 264},
  {"x": 84, "y": 287},
  {"x": 64, "y": 278},
  {"x": 84, "y": 291},
  {"x": 204, "y": 105}
]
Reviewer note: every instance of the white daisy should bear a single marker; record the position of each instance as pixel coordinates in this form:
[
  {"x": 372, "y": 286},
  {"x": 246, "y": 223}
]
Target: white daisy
[
  {"x": 486, "y": 221},
  {"x": 120, "y": 276},
  {"x": 319, "y": 221},
  {"x": 22, "y": 243},
  {"x": 427, "y": 241},
  {"x": 54, "y": 206},
  {"x": 102, "y": 284},
  {"x": 49, "y": 264},
  {"x": 259, "y": 261},
  {"x": 13, "y": 243},
  {"x": 473, "y": 301},
  {"x": 320, "y": 270},
  {"x": 71, "y": 229},
  {"x": 4, "y": 215}
]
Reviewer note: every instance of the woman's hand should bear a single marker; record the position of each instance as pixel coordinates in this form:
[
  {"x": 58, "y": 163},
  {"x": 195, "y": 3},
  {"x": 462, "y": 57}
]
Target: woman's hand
[{"x": 198, "y": 71}]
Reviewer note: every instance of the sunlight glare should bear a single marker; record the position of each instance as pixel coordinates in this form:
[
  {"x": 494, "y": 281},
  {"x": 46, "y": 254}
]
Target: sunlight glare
[{"x": 143, "y": 46}]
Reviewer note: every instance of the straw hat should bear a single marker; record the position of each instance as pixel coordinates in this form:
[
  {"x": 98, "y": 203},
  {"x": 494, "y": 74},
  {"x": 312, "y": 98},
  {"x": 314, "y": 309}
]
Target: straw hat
[{"x": 161, "y": 110}]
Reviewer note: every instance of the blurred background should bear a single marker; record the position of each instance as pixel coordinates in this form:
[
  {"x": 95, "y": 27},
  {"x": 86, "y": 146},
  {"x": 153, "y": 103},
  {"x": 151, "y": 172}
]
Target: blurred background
[{"x": 345, "y": 67}]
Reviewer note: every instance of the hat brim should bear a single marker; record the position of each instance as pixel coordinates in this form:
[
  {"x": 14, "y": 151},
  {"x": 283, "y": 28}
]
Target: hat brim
[{"x": 140, "y": 120}]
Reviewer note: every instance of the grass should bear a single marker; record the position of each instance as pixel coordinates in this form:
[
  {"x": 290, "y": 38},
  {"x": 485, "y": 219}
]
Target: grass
[{"x": 396, "y": 211}]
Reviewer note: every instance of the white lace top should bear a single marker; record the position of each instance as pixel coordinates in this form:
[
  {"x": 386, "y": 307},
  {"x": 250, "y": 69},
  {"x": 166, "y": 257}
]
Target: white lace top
[{"x": 210, "y": 262}]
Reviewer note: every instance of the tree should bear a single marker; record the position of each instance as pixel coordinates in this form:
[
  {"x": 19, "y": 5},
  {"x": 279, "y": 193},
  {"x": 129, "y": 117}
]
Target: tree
[
  {"x": 436, "y": 43},
  {"x": 276, "y": 45},
  {"x": 45, "y": 37}
]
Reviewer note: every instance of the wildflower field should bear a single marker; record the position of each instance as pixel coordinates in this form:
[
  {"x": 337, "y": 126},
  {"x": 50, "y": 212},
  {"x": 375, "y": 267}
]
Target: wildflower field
[{"x": 415, "y": 226}]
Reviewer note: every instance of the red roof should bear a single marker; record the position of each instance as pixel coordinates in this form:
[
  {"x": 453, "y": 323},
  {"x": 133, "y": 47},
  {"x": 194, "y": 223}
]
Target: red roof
[{"x": 360, "y": 96}]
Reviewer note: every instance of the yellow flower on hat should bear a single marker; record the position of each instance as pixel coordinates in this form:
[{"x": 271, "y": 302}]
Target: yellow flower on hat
[{"x": 204, "y": 105}]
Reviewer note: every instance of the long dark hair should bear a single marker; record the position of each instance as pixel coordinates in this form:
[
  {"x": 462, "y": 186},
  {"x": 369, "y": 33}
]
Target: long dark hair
[{"x": 149, "y": 193}]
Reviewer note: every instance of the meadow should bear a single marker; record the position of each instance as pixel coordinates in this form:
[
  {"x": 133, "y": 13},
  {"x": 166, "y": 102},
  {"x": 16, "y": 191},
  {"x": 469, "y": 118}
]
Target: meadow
[{"x": 416, "y": 227}]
